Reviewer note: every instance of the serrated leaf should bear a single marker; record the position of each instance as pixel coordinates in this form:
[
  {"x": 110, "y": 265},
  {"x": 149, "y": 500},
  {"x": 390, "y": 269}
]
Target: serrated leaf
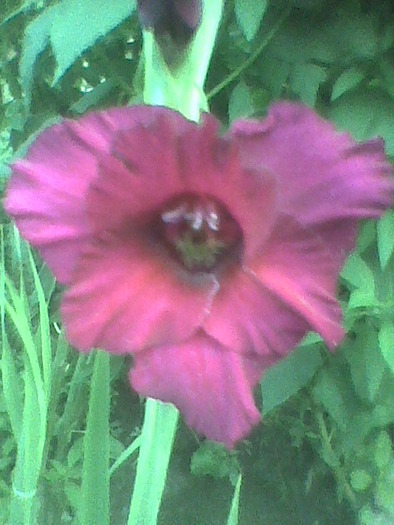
[
  {"x": 386, "y": 343},
  {"x": 289, "y": 376},
  {"x": 240, "y": 103},
  {"x": 385, "y": 238},
  {"x": 249, "y": 15},
  {"x": 346, "y": 82}
]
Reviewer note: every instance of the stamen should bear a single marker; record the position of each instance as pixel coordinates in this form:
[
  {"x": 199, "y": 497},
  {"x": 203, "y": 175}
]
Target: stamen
[
  {"x": 213, "y": 221},
  {"x": 175, "y": 215},
  {"x": 200, "y": 232}
]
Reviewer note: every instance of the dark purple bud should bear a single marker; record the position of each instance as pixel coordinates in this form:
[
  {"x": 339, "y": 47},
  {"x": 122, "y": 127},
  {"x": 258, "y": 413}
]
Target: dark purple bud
[{"x": 178, "y": 19}]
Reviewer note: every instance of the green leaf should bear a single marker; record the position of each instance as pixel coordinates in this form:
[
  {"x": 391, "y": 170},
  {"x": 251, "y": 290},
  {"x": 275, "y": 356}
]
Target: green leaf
[
  {"x": 332, "y": 391},
  {"x": 366, "y": 363},
  {"x": 287, "y": 377},
  {"x": 213, "y": 459},
  {"x": 386, "y": 343},
  {"x": 78, "y": 24},
  {"x": 72, "y": 26},
  {"x": 346, "y": 82},
  {"x": 95, "y": 474},
  {"x": 365, "y": 114},
  {"x": 34, "y": 42},
  {"x": 385, "y": 238},
  {"x": 249, "y": 15},
  {"x": 240, "y": 103},
  {"x": 360, "y": 480},
  {"x": 383, "y": 453},
  {"x": 306, "y": 80}
]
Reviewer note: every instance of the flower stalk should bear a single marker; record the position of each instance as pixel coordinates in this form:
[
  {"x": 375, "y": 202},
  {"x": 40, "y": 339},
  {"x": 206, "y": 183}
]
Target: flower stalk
[{"x": 181, "y": 89}]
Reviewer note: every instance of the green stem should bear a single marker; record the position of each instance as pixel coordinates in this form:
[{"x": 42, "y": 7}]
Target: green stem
[{"x": 179, "y": 88}]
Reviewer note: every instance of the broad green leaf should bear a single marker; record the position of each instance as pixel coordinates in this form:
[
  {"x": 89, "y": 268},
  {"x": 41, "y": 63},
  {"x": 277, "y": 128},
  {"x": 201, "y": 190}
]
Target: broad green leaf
[
  {"x": 385, "y": 238},
  {"x": 287, "y": 377},
  {"x": 386, "y": 343},
  {"x": 72, "y": 26},
  {"x": 240, "y": 103},
  {"x": 95, "y": 475},
  {"x": 249, "y": 15},
  {"x": 346, "y": 82},
  {"x": 78, "y": 24}
]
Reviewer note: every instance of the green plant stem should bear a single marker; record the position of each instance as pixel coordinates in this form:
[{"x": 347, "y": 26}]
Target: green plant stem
[{"x": 178, "y": 87}]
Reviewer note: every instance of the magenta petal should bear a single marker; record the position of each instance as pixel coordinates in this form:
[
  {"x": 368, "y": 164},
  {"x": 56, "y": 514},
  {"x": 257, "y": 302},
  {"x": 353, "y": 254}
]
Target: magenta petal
[
  {"x": 211, "y": 166},
  {"x": 247, "y": 318},
  {"x": 296, "y": 267},
  {"x": 47, "y": 190},
  {"x": 125, "y": 298},
  {"x": 325, "y": 180},
  {"x": 208, "y": 384},
  {"x": 139, "y": 175},
  {"x": 183, "y": 158}
]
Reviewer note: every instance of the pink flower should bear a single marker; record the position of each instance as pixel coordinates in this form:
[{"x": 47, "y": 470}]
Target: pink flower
[
  {"x": 177, "y": 18},
  {"x": 208, "y": 258}
]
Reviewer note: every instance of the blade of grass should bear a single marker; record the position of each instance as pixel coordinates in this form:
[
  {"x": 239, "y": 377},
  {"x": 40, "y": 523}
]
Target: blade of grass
[
  {"x": 95, "y": 476},
  {"x": 12, "y": 387},
  {"x": 234, "y": 509},
  {"x": 28, "y": 461},
  {"x": 157, "y": 438},
  {"x": 75, "y": 403},
  {"x": 45, "y": 339},
  {"x": 135, "y": 445},
  {"x": 30, "y": 447}
]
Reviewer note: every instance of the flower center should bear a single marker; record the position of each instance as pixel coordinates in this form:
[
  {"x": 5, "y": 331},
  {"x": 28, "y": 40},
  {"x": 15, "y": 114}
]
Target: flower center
[{"x": 199, "y": 232}]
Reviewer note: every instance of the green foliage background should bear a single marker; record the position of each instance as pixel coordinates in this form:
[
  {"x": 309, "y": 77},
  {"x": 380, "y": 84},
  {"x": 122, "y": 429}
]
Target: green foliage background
[{"x": 324, "y": 454}]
